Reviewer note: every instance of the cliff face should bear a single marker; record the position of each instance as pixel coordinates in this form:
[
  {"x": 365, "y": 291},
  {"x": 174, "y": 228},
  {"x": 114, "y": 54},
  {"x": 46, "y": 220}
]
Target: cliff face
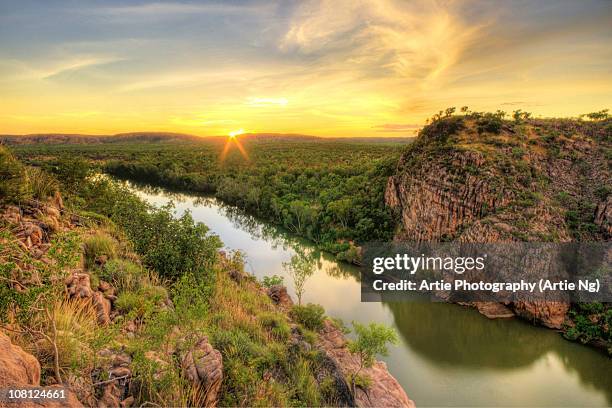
[{"x": 478, "y": 178}]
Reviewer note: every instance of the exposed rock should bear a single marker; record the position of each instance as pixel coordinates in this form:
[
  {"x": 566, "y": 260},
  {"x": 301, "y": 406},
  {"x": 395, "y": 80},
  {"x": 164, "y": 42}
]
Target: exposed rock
[
  {"x": 468, "y": 186},
  {"x": 279, "y": 295},
  {"x": 384, "y": 390},
  {"x": 103, "y": 308},
  {"x": 550, "y": 314},
  {"x": 16, "y": 366},
  {"x": 203, "y": 365},
  {"x": 21, "y": 369},
  {"x": 79, "y": 286},
  {"x": 493, "y": 310},
  {"x": 12, "y": 214},
  {"x": 236, "y": 275},
  {"x": 116, "y": 393}
]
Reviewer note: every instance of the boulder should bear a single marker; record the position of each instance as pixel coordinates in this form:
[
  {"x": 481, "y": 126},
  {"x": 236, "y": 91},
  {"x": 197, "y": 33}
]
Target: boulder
[
  {"x": 203, "y": 366},
  {"x": 79, "y": 286},
  {"x": 103, "y": 308},
  {"x": 21, "y": 369},
  {"x": 116, "y": 393},
  {"x": 279, "y": 295}
]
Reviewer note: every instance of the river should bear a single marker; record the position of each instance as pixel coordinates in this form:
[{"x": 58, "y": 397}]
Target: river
[{"x": 448, "y": 355}]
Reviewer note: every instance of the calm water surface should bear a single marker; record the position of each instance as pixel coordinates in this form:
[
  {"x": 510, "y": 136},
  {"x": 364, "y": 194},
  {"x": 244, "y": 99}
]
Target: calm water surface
[{"x": 448, "y": 355}]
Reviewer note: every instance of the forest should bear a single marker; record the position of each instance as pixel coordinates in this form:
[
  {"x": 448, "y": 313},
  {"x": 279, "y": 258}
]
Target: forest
[{"x": 328, "y": 191}]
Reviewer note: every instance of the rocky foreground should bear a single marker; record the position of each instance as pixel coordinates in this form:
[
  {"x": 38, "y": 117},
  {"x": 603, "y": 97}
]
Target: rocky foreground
[{"x": 116, "y": 378}]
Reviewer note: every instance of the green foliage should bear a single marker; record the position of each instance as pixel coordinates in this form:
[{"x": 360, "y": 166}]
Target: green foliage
[
  {"x": 310, "y": 315},
  {"x": 490, "y": 122},
  {"x": 599, "y": 115},
  {"x": 277, "y": 324},
  {"x": 289, "y": 182},
  {"x": 12, "y": 178},
  {"x": 372, "y": 340},
  {"x": 65, "y": 250},
  {"x": 300, "y": 268},
  {"x": 143, "y": 303},
  {"x": 40, "y": 184},
  {"x": 591, "y": 323},
  {"x": 97, "y": 246},
  {"x": 173, "y": 247},
  {"x": 273, "y": 280},
  {"x": 122, "y": 274},
  {"x": 73, "y": 172}
]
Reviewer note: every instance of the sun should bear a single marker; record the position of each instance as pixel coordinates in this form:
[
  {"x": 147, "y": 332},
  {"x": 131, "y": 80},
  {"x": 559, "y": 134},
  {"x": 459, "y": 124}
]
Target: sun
[{"x": 235, "y": 133}]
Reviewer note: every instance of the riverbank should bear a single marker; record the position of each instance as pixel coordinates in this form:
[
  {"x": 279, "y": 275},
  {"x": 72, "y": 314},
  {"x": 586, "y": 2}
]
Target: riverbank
[
  {"x": 443, "y": 348},
  {"x": 128, "y": 306}
]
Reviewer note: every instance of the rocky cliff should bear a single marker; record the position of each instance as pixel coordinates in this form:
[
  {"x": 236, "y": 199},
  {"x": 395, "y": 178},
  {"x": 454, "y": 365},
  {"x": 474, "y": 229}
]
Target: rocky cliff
[{"x": 480, "y": 178}]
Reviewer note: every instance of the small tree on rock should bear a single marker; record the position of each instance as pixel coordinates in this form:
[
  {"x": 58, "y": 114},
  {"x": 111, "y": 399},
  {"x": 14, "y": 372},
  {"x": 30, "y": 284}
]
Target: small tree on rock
[
  {"x": 300, "y": 268},
  {"x": 372, "y": 340}
]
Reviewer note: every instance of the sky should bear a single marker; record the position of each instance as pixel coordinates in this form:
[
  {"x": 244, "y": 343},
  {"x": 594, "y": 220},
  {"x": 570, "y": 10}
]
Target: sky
[{"x": 320, "y": 67}]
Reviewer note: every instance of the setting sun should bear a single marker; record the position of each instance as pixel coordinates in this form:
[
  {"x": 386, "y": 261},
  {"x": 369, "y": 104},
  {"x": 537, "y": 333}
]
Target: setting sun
[{"x": 235, "y": 133}]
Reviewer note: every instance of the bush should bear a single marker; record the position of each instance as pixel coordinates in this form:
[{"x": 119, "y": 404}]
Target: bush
[
  {"x": 40, "y": 184},
  {"x": 269, "y": 281},
  {"x": 142, "y": 303},
  {"x": 124, "y": 275},
  {"x": 276, "y": 324},
  {"x": 12, "y": 178},
  {"x": 97, "y": 245},
  {"x": 310, "y": 315}
]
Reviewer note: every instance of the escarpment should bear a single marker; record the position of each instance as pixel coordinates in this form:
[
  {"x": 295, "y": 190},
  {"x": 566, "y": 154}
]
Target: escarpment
[{"x": 478, "y": 178}]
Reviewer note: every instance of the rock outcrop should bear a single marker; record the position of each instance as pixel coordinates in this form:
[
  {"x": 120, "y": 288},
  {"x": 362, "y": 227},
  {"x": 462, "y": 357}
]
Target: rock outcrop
[
  {"x": 116, "y": 389},
  {"x": 384, "y": 390},
  {"x": 203, "y": 366},
  {"x": 458, "y": 182},
  {"x": 21, "y": 369},
  {"x": 78, "y": 286},
  {"x": 279, "y": 295}
]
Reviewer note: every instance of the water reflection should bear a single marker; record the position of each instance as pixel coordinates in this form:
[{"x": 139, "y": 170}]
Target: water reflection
[{"x": 449, "y": 355}]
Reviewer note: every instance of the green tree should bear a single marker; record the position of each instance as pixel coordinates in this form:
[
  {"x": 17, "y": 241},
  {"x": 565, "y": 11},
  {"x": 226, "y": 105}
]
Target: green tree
[
  {"x": 300, "y": 268},
  {"x": 340, "y": 210},
  {"x": 372, "y": 340}
]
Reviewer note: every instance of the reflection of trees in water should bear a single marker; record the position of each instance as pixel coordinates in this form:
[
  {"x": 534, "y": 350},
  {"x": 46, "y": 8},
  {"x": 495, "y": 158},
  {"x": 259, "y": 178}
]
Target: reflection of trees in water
[
  {"x": 150, "y": 189},
  {"x": 451, "y": 335}
]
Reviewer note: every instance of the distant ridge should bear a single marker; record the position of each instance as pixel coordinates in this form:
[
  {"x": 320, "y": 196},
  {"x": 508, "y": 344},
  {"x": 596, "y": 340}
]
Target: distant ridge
[{"x": 156, "y": 137}]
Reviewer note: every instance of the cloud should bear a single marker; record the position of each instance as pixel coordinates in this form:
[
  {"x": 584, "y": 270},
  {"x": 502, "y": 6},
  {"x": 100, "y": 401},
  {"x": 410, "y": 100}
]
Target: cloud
[
  {"x": 75, "y": 64},
  {"x": 166, "y": 9},
  {"x": 417, "y": 40}
]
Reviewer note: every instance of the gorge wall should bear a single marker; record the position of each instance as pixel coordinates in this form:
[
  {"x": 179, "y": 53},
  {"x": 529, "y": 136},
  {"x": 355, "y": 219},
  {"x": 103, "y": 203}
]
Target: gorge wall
[{"x": 479, "y": 178}]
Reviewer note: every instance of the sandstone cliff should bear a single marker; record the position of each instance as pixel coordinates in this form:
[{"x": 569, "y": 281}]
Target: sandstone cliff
[{"x": 479, "y": 178}]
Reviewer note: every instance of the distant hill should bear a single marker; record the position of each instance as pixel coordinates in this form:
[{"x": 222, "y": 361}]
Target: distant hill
[
  {"x": 62, "y": 138},
  {"x": 157, "y": 137}
]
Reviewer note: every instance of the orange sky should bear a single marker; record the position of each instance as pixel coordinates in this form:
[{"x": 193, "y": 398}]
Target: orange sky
[{"x": 329, "y": 68}]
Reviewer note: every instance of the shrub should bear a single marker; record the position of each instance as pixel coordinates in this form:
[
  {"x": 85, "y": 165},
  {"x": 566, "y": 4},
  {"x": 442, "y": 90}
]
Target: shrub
[
  {"x": 142, "y": 303},
  {"x": 12, "y": 178},
  {"x": 276, "y": 324},
  {"x": 310, "y": 315},
  {"x": 124, "y": 275},
  {"x": 41, "y": 184},
  {"x": 97, "y": 245},
  {"x": 269, "y": 281}
]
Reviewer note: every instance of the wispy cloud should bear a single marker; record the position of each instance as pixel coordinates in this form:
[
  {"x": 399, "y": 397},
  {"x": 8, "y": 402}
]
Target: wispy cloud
[{"x": 416, "y": 40}]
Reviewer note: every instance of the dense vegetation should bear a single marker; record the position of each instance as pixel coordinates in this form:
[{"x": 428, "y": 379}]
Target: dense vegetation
[
  {"x": 331, "y": 192},
  {"x": 172, "y": 286}
]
